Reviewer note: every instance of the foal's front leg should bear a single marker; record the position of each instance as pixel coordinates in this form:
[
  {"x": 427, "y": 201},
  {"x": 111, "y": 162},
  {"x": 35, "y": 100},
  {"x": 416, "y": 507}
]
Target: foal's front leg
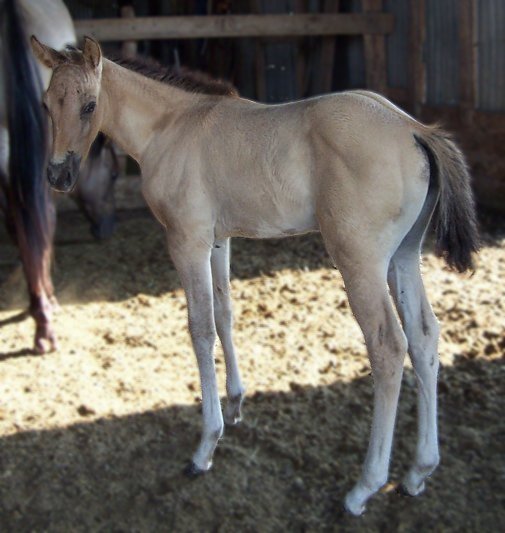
[
  {"x": 192, "y": 260},
  {"x": 220, "y": 262}
]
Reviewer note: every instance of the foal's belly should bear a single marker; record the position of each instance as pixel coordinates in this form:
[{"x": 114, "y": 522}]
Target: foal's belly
[{"x": 266, "y": 220}]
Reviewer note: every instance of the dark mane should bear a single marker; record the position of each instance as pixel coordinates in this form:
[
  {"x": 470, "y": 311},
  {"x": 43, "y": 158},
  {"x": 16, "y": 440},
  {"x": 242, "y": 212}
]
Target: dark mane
[
  {"x": 189, "y": 80},
  {"x": 183, "y": 78}
]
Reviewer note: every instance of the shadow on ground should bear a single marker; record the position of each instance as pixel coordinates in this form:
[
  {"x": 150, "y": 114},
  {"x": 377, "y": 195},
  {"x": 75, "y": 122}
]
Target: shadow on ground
[{"x": 286, "y": 468}]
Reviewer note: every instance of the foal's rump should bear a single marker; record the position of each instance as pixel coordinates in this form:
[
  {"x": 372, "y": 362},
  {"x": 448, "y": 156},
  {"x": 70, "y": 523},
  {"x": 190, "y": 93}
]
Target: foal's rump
[
  {"x": 372, "y": 177},
  {"x": 376, "y": 181}
]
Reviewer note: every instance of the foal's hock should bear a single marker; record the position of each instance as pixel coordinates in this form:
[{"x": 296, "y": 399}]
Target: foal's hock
[{"x": 350, "y": 165}]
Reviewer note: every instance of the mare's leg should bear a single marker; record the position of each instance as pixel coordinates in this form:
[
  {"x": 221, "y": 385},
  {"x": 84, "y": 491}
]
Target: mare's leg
[
  {"x": 37, "y": 270},
  {"x": 422, "y": 331},
  {"x": 192, "y": 261},
  {"x": 223, "y": 316},
  {"x": 40, "y": 287}
]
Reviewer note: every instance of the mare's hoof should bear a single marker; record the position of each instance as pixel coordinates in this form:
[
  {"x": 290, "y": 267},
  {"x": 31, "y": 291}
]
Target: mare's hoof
[
  {"x": 192, "y": 471},
  {"x": 45, "y": 345}
]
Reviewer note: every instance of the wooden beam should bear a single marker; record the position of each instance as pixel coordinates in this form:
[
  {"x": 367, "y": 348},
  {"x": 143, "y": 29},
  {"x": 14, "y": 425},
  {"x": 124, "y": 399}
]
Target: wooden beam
[
  {"x": 375, "y": 52},
  {"x": 212, "y": 26}
]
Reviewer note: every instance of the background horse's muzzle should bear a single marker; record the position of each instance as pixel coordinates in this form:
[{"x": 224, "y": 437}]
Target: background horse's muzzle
[
  {"x": 104, "y": 228},
  {"x": 63, "y": 176}
]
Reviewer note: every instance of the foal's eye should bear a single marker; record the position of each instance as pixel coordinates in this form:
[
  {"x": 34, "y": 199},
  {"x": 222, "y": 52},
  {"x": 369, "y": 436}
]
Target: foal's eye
[{"x": 88, "y": 108}]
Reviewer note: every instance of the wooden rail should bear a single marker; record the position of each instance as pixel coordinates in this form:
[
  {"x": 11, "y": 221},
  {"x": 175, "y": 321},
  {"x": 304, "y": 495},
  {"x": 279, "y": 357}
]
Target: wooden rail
[{"x": 214, "y": 26}]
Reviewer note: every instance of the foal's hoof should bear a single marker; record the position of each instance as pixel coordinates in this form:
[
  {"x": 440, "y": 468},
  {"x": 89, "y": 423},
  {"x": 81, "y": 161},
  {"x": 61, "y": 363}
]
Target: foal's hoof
[
  {"x": 232, "y": 414},
  {"x": 353, "y": 507},
  {"x": 401, "y": 490},
  {"x": 192, "y": 471},
  {"x": 405, "y": 490},
  {"x": 232, "y": 418}
]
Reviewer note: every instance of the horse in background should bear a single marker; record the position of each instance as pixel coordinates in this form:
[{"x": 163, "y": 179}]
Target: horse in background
[{"x": 25, "y": 199}]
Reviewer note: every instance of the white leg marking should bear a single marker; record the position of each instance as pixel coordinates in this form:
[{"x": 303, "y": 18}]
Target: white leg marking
[
  {"x": 421, "y": 328},
  {"x": 223, "y": 315},
  {"x": 386, "y": 346},
  {"x": 192, "y": 261}
]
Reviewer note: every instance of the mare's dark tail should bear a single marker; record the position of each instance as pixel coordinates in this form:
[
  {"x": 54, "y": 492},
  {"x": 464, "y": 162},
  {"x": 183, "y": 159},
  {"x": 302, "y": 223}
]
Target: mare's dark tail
[{"x": 27, "y": 126}]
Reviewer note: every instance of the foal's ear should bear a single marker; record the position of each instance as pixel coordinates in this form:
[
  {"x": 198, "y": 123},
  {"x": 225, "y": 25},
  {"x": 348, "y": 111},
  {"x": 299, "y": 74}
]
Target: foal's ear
[
  {"x": 92, "y": 52},
  {"x": 46, "y": 55}
]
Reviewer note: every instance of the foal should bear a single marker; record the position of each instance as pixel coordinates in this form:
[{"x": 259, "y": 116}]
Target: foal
[{"x": 350, "y": 165}]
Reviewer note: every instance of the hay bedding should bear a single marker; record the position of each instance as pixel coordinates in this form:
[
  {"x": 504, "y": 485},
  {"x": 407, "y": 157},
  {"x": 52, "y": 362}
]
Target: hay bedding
[{"x": 94, "y": 437}]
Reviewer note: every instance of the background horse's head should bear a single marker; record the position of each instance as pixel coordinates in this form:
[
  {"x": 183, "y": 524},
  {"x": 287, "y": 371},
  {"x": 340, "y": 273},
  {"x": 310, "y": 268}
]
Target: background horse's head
[
  {"x": 94, "y": 191},
  {"x": 72, "y": 101}
]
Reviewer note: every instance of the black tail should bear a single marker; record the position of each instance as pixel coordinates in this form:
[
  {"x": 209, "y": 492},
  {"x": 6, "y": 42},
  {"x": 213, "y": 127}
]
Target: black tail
[
  {"x": 457, "y": 237},
  {"x": 27, "y": 126}
]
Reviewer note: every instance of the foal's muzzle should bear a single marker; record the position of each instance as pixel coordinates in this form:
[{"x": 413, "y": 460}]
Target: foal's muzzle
[{"x": 63, "y": 176}]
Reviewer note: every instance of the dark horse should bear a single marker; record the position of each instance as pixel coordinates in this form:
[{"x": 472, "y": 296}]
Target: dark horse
[{"x": 25, "y": 199}]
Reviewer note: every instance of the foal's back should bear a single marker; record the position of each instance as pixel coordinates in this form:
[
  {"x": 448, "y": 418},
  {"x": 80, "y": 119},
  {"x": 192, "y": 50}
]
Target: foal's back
[{"x": 268, "y": 169}]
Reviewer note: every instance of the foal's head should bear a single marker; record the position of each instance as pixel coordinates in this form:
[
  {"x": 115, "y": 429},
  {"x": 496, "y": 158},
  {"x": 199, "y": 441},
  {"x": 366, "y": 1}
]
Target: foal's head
[{"x": 73, "y": 102}]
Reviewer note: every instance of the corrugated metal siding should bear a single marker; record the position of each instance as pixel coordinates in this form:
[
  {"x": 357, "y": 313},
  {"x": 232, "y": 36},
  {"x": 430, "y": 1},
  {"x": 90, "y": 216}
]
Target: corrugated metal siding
[
  {"x": 398, "y": 44},
  {"x": 491, "y": 55},
  {"x": 442, "y": 52}
]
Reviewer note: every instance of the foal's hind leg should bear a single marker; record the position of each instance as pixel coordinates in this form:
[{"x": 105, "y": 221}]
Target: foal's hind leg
[
  {"x": 421, "y": 328},
  {"x": 220, "y": 262},
  {"x": 192, "y": 261},
  {"x": 386, "y": 344}
]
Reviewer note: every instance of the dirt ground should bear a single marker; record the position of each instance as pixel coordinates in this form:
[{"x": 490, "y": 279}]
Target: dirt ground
[{"x": 95, "y": 436}]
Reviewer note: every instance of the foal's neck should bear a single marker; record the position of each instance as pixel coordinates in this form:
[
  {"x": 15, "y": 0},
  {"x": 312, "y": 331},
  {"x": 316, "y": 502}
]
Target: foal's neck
[{"x": 136, "y": 107}]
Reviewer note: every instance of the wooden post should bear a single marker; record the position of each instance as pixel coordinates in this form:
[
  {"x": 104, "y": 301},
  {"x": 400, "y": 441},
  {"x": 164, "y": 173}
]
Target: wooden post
[
  {"x": 301, "y": 58},
  {"x": 417, "y": 86},
  {"x": 375, "y": 52},
  {"x": 128, "y": 48},
  {"x": 327, "y": 59},
  {"x": 259, "y": 61},
  {"x": 468, "y": 58}
]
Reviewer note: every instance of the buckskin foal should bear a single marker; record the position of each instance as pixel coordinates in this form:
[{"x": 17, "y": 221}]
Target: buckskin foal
[{"x": 350, "y": 165}]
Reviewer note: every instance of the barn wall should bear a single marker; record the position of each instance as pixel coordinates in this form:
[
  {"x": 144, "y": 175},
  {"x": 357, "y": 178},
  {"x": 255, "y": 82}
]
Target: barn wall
[
  {"x": 491, "y": 55},
  {"x": 442, "y": 52},
  {"x": 397, "y": 44},
  {"x": 425, "y": 57}
]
